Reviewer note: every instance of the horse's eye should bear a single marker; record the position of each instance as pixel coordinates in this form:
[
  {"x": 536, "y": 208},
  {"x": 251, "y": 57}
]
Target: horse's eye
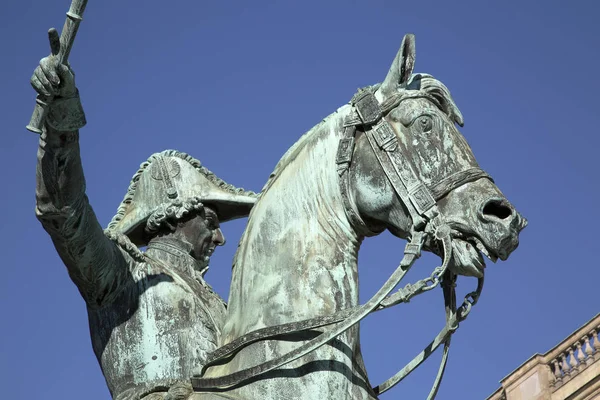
[{"x": 425, "y": 123}]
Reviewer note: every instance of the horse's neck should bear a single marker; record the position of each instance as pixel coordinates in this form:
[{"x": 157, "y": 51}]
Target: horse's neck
[{"x": 298, "y": 255}]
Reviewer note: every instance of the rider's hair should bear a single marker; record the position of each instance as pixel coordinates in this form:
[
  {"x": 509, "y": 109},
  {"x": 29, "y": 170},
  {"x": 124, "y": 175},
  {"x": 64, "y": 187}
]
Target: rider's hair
[{"x": 168, "y": 215}]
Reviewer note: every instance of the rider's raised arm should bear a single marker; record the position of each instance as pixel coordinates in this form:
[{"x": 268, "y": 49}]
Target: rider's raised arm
[{"x": 95, "y": 263}]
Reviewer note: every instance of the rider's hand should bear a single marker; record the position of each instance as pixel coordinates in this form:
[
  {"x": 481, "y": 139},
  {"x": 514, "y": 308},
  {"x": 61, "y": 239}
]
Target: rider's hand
[
  {"x": 56, "y": 82},
  {"x": 51, "y": 78}
]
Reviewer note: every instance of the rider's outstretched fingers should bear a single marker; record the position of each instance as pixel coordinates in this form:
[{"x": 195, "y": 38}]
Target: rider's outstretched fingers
[
  {"x": 38, "y": 86},
  {"x": 43, "y": 79},
  {"x": 49, "y": 68},
  {"x": 54, "y": 41}
]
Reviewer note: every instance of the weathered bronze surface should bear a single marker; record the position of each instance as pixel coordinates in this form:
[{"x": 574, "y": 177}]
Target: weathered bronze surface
[
  {"x": 153, "y": 318},
  {"x": 390, "y": 159}
]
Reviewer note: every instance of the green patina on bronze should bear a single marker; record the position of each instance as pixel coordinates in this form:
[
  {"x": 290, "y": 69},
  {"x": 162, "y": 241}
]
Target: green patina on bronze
[{"x": 391, "y": 159}]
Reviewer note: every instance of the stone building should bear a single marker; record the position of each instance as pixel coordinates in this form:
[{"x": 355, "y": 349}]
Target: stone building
[{"x": 569, "y": 371}]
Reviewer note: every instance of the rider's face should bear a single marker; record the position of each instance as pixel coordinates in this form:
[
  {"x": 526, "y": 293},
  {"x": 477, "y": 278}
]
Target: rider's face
[{"x": 204, "y": 233}]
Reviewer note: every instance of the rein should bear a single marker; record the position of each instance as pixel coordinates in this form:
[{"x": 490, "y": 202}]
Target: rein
[
  {"x": 421, "y": 203},
  {"x": 199, "y": 383}
]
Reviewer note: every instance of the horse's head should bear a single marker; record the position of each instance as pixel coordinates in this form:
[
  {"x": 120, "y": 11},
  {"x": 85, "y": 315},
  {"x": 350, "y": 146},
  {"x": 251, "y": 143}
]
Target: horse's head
[{"x": 431, "y": 162}]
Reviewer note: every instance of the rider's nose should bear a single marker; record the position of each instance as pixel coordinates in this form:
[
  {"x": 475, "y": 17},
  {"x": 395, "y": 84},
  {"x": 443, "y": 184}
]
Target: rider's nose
[
  {"x": 218, "y": 237},
  {"x": 497, "y": 209}
]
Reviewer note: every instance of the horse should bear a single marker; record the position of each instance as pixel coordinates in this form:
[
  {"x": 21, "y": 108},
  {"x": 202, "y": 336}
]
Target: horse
[{"x": 391, "y": 159}]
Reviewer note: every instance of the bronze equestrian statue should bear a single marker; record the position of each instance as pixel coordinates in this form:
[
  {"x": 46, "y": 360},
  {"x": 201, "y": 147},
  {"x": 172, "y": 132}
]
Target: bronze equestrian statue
[{"x": 391, "y": 159}]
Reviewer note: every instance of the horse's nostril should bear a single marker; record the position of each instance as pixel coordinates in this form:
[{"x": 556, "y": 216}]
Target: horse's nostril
[{"x": 496, "y": 208}]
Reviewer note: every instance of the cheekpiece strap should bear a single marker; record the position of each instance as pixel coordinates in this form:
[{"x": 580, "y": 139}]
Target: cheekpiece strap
[
  {"x": 384, "y": 141},
  {"x": 343, "y": 159},
  {"x": 412, "y": 192}
]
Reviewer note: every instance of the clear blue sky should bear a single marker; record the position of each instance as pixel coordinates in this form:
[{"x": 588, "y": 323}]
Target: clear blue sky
[{"x": 235, "y": 85}]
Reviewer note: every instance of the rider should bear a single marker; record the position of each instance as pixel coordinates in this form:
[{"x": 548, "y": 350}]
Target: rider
[{"x": 152, "y": 316}]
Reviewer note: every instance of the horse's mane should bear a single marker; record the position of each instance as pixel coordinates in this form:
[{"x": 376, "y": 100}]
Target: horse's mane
[
  {"x": 320, "y": 131},
  {"x": 293, "y": 151}
]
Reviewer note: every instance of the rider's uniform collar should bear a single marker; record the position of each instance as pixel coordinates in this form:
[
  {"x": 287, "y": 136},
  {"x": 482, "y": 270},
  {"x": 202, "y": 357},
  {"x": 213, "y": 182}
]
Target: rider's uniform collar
[{"x": 176, "y": 253}]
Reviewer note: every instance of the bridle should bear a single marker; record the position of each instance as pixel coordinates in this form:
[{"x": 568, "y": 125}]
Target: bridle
[
  {"x": 427, "y": 222},
  {"x": 421, "y": 203}
]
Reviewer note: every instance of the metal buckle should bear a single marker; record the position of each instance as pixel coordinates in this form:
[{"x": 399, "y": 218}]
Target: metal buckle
[
  {"x": 421, "y": 198},
  {"x": 367, "y": 107},
  {"x": 414, "y": 249},
  {"x": 385, "y": 136},
  {"x": 345, "y": 148}
]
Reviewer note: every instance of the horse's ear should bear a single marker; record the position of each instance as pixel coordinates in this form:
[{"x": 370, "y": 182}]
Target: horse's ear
[{"x": 402, "y": 67}]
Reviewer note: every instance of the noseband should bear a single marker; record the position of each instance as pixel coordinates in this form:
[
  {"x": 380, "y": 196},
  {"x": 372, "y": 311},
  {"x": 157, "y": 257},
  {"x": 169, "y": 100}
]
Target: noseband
[{"x": 427, "y": 222}]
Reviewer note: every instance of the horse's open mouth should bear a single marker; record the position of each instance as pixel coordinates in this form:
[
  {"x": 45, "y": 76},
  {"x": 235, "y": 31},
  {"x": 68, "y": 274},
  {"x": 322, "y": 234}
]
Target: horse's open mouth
[
  {"x": 468, "y": 256},
  {"x": 482, "y": 249}
]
